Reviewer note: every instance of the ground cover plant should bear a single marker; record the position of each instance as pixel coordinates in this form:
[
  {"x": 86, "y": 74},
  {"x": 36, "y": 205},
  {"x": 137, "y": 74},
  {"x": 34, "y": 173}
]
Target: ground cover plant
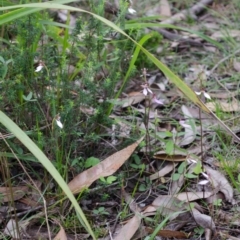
[{"x": 119, "y": 120}]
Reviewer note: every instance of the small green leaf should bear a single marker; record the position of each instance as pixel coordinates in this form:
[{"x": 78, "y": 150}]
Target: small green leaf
[
  {"x": 111, "y": 179},
  {"x": 190, "y": 206},
  {"x": 92, "y": 161},
  {"x": 102, "y": 179},
  {"x": 169, "y": 147},
  {"x": 182, "y": 167},
  {"x": 136, "y": 158},
  {"x": 142, "y": 187},
  {"x": 95, "y": 211},
  {"x": 190, "y": 175},
  {"x": 135, "y": 166},
  {"x": 175, "y": 176},
  {"x": 217, "y": 202},
  {"x": 198, "y": 168}
]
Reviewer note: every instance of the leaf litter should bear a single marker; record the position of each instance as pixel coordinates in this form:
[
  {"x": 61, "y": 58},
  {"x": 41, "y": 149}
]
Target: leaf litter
[{"x": 177, "y": 199}]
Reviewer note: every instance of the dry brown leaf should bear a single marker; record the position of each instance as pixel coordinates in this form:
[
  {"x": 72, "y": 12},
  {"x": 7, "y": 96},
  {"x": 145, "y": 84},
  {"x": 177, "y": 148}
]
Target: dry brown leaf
[
  {"x": 12, "y": 229},
  {"x": 61, "y": 234},
  {"x": 192, "y": 196},
  {"x": 130, "y": 201},
  {"x": 176, "y": 186},
  {"x": 165, "y": 9},
  {"x": 223, "y": 94},
  {"x": 189, "y": 126},
  {"x": 133, "y": 98},
  {"x": 224, "y": 106},
  {"x": 203, "y": 220},
  {"x": 165, "y": 205},
  {"x": 208, "y": 234},
  {"x": 218, "y": 180},
  {"x": 105, "y": 168},
  {"x": 129, "y": 229},
  {"x": 167, "y": 169},
  {"x": 15, "y": 192}
]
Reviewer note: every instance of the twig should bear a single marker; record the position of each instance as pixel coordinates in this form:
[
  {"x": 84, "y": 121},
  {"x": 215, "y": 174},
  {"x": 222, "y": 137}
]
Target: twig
[{"x": 194, "y": 10}]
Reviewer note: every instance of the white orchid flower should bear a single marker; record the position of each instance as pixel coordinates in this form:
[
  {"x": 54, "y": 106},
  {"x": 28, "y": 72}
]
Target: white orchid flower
[
  {"x": 146, "y": 89},
  {"x": 206, "y": 95},
  {"x": 59, "y": 122},
  {"x": 39, "y": 68},
  {"x": 131, "y": 10},
  {"x": 204, "y": 182}
]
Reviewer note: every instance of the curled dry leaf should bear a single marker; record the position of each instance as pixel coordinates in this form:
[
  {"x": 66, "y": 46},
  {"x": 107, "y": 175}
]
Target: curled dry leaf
[
  {"x": 61, "y": 234},
  {"x": 219, "y": 181},
  {"x": 178, "y": 156},
  {"x": 161, "y": 173},
  {"x": 15, "y": 192},
  {"x": 105, "y": 168},
  {"x": 129, "y": 229}
]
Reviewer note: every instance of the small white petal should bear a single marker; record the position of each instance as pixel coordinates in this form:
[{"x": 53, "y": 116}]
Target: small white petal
[
  {"x": 189, "y": 160},
  {"x": 145, "y": 92},
  {"x": 39, "y": 68},
  {"x": 203, "y": 182},
  {"x": 205, "y": 175},
  {"x": 198, "y": 93},
  {"x": 131, "y": 10},
  {"x": 149, "y": 90},
  {"x": 59, "y": 123},
  {"x": 207, "y": 95},
  {"x": 160, "y": 102}
]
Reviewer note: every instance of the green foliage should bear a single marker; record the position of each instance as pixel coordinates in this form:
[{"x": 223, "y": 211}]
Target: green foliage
[
  {"x": 83, "y": 71},
  {"x": 183, "y": 170},
  {"x": 90, "y": 162},
  {"x": 100, "y": 211},
  {"x": 108, "y": 180}
]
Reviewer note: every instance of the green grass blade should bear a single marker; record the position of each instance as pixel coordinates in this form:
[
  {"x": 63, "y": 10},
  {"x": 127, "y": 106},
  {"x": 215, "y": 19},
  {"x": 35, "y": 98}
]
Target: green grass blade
[
  {"x": 22, "y": 11},
  {"x": 33, "y": 148},
  {"x": 131, "y": 65}
]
